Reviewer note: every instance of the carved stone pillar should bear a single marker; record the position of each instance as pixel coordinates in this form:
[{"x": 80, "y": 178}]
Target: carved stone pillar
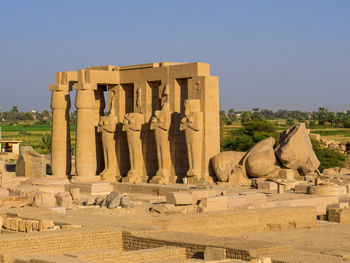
[
  {"x": 85, "y": 155},
  {"x": 60, "y": 140}
]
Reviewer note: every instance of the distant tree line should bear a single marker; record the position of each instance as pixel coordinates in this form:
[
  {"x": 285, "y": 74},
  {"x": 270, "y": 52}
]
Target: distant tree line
[
  {"x": 322, "y": 117},
  {"x": 15, "y": 115}
]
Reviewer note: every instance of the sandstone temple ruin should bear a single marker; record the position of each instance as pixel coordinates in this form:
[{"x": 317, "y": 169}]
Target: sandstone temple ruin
[{"x": 159, "y": 123}]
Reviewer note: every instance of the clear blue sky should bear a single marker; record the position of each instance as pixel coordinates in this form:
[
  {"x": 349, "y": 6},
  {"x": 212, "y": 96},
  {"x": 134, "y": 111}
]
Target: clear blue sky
[{"x": 267, "y": 54}]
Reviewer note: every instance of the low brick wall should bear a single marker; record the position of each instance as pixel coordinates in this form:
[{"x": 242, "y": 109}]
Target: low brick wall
[
  {"x": 58, "y": 242},
  {"x": 142, "y": 255}
]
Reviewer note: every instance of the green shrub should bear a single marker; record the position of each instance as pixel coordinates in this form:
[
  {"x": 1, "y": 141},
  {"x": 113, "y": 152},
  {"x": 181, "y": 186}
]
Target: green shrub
[
  {"x": 46, "y": 142},
  {"x": 252, "y": 132},
  {"x": 328, "y": 158}
]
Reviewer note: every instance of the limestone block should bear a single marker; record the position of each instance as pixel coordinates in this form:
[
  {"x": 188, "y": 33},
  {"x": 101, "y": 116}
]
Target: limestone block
[
  {"x": 301, "y": 188},
  {"x": 213, "y": 203},
  {"x": 295, "y": 150},
  {"x": 280, "y": 188},
  {"x": 235, "y": 201},
  {"x": 168, "y": 209},
  {"x": 17, "y": 201},
  {"x": 261, "y": 159},
  {"x": 214, "y": 253},
  {"x": 198, "y": 194},
  {"x": 14, "y": 222},
  {"x": 64, "y": 200},
  {"x": 344, "y": 171},
  {"x": 43, "y": 199},
  {"x": 327, "y": 190},
  {"x": 29, "y": 225},
  {"x": 75, "y": 193},
  {"x": 4, "y": 192},
  {"x": 22, "y": 225},
  {"x": 224, "y": 162},
  {"x": 179, "y": 198},
  {"x": 339, "y": 215},
  {"x": 267, "y": 186},
  {"x": 287, "y": 174},
  {"x": 45, "y": 224},
  {"x": 331, "y": 171},
  {"x": 35, "y": 225},
  {"x": 255, "y": 198},
  {"x": 30, "y": 163}
]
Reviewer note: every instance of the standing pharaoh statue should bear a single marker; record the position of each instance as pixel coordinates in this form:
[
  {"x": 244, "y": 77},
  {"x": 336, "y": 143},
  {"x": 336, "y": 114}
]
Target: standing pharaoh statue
[
  {"x": 160, "y": 124},
  {"x": 192, "y": 124},
  {"x": 107, "y": 126},
  {"x": 132, "y": 125}
]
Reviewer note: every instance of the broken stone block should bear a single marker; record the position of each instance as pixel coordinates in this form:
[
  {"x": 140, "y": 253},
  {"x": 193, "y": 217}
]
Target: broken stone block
[
  {"x": 45, "y": 224},
  {"x": 203, "y": 184},
  {"x": 30, "y": 163},
  {"x": 301, "y": 188},
  {"x": 339, "y": 215},
  {"x": 287, "y": 174},
  {"x": 113, "y": 199},
  {"x": 35, "y": 225},
  {"x": 214, "y": 253},
  {"x": 75, "y": 193},
  {"x": 213, "y": 203},
  {"x": 64, "y": 200},
  {"x": 267, "y": 186},
  {"x": 167, "y": 209},
  {"x": 280, "y": 188},
  {"x": 126, "y": 202},
  {"x": 179, "y": 198},
  {"x": 43, "y": 199},
  {"x": 261, "y": 159},
  {"x": 295, "y": 150},
  {"x": 90, "y": 201}
]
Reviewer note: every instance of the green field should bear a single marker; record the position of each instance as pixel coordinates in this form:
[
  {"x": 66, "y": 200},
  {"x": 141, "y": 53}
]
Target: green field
[{"x": 31, "y": 135}]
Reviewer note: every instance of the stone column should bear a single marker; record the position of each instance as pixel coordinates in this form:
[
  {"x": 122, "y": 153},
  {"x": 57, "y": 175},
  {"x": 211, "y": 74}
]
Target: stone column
[
  {"x": 60, "y": 142},
  {"x": 85, "y": 154}
]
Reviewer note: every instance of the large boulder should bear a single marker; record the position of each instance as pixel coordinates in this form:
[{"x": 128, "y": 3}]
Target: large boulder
[
  {"x": 295, "y": 150},
  {"x": 30, "y": 163},
  {"x": 224, "y": 163},
  {"x": 261, "y": 160}
]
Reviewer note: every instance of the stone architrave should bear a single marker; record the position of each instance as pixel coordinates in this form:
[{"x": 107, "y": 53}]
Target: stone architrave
[
  {"x": 132, "y": 125},
  {"x": 161, "y": 124},
  {"x": 192, "y": 124}
]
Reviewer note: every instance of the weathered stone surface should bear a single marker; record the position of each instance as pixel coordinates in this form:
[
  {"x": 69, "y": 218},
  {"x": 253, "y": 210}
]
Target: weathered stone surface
[
  {"x": 91, "y": 201},
  {"x": 43, "y": 199},
  {"x": 287, "y": 174},
  {"x": 64, "y": 200},
  {"x": 295, "y": 150},
  {"x": 4, "y": 192},
  {"x": 213, "y": 203},
  {"x": 30, "y": 163},
  {"x": 45, "y": 224},
  {"x": 267, "y": 186},
  {"x": 15, "y": 201},
  {"x": 214, "y": 253},
  {"x": 224, "y": 162},
  {"x": 261, "y": 159},
  {"x": 75, "y": 193},
  {"x": 113, "y": 199},
  {"x": 179, "y": 198},
  {"x": 126, "y": 202},
  {"x": 167, "y": 209},
  {"x": 203, "y": 184},
  {"x": 331, "y": 171},
  {"x": 327, "y": 190}
]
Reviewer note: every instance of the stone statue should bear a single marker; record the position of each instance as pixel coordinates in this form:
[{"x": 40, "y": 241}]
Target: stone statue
[
  {"x": 132, "y": 125},
  {"x": 192, "y": 124},
  {"x": 107, "y": 126},
  {"x": 160, "y": 124}
]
